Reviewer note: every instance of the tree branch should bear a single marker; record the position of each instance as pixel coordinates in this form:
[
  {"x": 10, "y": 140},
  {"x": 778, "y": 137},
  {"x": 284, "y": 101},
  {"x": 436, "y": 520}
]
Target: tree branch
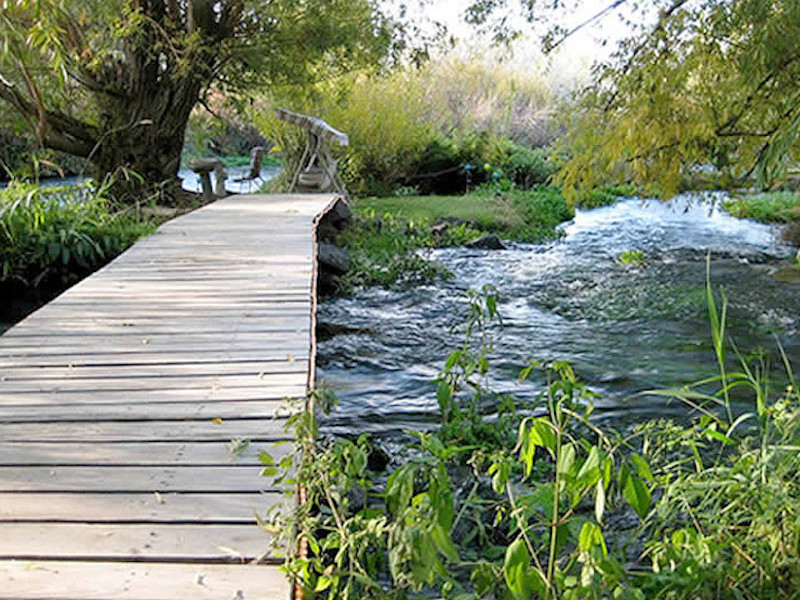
[{"x": 54, "y": 129}]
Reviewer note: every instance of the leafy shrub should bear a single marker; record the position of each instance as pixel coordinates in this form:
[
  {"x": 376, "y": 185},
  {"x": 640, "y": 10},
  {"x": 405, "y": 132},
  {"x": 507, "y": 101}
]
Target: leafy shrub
[
  {"x": 528, "y": 167},
  {"x": 21, "y": 157},
  {"x": 385, "y": 251},
  {"x": 515, "y": 499},
  {"x": 604, "y": 195},
  {"x": 60, "y": 233},
  {"x": 512, "y": 509},
  {"x": 633, "y": 257}
]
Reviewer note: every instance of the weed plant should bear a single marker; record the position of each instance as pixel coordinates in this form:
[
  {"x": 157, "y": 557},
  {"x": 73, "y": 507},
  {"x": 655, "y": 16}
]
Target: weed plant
[
  {"x": 56, "y": 235},
  {"x": 515, "y": 505}
]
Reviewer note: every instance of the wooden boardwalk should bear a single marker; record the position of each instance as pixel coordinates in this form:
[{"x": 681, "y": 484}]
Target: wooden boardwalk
[{"x": 118, "y": 402}]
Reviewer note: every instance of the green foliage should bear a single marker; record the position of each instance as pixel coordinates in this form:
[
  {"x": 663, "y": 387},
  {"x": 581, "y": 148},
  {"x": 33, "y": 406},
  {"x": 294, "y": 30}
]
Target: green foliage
[
  {"x": 417, "y": 126},
  {"x": 55, "y": 234},
  {"x": 710, "y": 86},
  {"x": 768, "y": 207},
  {"x": 603, "y": 195},
  {"x": 388, "y": 240},
  {"x": 478, "y": 510},
  {"x": 520, "y": 507},
  {"x": 633, "y": 257},
  {"x": 385, "y": 251},
  {"x": 528, "y": 167},
  {"x": 725, "y": 526}
]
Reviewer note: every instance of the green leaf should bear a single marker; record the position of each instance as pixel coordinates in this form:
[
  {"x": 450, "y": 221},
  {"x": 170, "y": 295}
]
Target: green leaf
[
  {"x": 444, "y": 544},
  {"x": 516, "y": 568},
  {"x": 591, "y": 536},
  {"x": 590, "y": 468},
  {"x": 566, "y": 458},
  {"x": 323, "y": 583},
  {"x": 451, "y": 361},
  {"x": 642, "y": 468},
  {"x": 599, "y": 501},
  {"x": 637, "y": 495},
  {"x": 400, "y": 488}
]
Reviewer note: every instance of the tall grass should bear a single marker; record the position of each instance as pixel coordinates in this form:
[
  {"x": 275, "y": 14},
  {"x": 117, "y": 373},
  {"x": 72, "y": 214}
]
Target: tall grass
[{"x": 392, "y": 118}]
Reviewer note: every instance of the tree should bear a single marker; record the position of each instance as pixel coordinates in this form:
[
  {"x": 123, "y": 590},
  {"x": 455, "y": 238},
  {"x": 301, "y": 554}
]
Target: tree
[
  {"x": 114, "y": 81},
  {"x": 707, "y": 83},
  {"x": 712, "y": 85}
]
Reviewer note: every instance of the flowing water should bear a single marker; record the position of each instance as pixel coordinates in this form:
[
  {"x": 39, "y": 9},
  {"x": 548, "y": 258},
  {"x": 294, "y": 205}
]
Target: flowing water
[{"x": 626, "y": 328}]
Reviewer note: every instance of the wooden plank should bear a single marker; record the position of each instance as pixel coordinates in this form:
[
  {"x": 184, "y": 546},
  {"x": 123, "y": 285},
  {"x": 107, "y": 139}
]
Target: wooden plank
[
  {"x": 133, "y": 542},
  {"x": 171, "y": 411},
  {"x": 146, "y": 431},
  {"x": 121, "y": 372},
  {"x": 149, "y": 330},
  {"x": 43, "y": 343},
  {"x": 145, "y": 356},
  {"x": 133, "y": 454},
  {"x": 72, "y": 580},
  {"x": 166, "y": 507},
  {"x": 114, "y": 478},
  {"x": 199, "y": 382},
  {"x": 263, "y": 391}
]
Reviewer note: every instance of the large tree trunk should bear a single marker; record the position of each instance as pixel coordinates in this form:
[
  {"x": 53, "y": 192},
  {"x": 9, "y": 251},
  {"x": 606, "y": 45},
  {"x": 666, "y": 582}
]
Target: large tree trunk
[{"x": 140, "y": 152}]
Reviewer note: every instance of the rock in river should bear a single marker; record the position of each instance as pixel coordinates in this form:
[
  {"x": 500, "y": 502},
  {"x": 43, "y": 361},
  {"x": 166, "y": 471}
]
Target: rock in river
[{"x": 490, "y": 242}]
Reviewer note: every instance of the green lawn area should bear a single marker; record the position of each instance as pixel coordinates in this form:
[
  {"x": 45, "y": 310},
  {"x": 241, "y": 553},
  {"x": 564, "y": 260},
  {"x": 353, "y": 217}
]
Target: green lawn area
[
  {"x": 427, "y": 209},
  {"x": 528, "y": 215}
]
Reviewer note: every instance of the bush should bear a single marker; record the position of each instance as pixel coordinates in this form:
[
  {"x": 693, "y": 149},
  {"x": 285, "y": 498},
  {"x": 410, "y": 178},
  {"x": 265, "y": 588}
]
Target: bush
[
  {"x": 60, "y": 234},
  {"x": 528, "y": 167},
  {"x": 21, "y": 157},
  {"x": 604, "y": 195},
  {"x": 511, "y": 498}
]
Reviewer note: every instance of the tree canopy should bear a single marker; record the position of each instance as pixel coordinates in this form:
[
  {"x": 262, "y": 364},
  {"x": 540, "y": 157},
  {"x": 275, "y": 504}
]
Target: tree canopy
[
  {"x": 707, "y": 84},
  {"x": 114, "y": 81},
  {"x": 712, "y": 85}
]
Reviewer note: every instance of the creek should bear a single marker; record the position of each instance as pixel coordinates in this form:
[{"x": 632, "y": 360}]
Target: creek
[{"x": 625, "y": 327}]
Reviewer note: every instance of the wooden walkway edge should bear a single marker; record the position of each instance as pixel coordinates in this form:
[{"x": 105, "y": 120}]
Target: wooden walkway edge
[{"x": 119, "y": 401}]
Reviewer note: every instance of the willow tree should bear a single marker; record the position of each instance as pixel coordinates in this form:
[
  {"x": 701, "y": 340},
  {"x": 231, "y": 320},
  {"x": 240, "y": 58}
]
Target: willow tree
[
  {"x": 711, "y": 86},
  {"x": 114, "y": 81},
  {"x": 700, "y": 85}
]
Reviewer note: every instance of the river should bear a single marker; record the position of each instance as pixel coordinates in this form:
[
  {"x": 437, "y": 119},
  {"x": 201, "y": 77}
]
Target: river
[{"x": 626, "y": 328}]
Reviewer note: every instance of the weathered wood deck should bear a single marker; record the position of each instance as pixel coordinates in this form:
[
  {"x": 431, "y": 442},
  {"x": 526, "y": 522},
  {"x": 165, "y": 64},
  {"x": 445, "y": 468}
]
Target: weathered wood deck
[{"x": 118, "y": 401}]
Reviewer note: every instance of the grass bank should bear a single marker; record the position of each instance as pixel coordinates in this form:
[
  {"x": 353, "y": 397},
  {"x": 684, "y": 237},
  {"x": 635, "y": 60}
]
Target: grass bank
[
  {"x": 768, "y": 207},
  {"x": 388, "y": 241},
  {"x": 779, "y": 208},
  {"x": 387, "y": 245}
]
